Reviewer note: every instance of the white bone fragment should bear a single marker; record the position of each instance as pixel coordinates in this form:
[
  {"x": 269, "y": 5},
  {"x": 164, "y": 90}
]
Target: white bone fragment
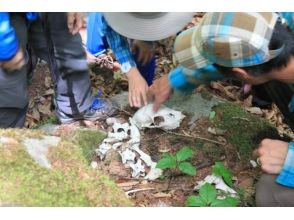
[
  {"x": 127, "y": 155},
  {"x": 219, "y": 184},
  {"x": 135, "y": 133},
  {"x": 138, "y": 169},
  {"x": 94, "y": 164},
  {"x": 154, "y": 172},
  {"x": 110, "y": 121},
  {"x": 117, "y": 145},
  {"x": 145, "y": 157},
  {"x": 118, "y": 127},
  {"x": 102, "y": 150}
]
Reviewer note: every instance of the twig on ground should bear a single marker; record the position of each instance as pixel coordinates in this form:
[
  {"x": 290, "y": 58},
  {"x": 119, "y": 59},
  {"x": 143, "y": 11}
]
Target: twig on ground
[
  {"x": 195, "y": 137},
  {"x": 121, "y": 109},
  {"x": 137, "y": 190}
]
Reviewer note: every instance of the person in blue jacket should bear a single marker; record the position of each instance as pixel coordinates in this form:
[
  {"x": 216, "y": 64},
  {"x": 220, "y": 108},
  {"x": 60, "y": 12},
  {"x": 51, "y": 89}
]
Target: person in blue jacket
[
  {"x": 139, "y": 63},
  {"x": 255, "y": 48},
  {"x": 54, "y": 38}
]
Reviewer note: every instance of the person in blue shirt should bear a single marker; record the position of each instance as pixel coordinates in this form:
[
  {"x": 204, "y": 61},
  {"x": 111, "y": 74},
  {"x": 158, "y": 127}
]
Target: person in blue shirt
[
  {"x": 255, "y": 48},
  {"x": 54, "y": 38},
  {"x": 138, "y": 64},
  {"x": 143, "y": 61}
]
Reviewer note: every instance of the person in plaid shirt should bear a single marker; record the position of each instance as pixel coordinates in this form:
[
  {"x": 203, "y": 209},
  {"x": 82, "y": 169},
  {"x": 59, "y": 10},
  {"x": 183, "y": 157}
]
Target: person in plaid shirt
[{"x": 255, "y": 48}]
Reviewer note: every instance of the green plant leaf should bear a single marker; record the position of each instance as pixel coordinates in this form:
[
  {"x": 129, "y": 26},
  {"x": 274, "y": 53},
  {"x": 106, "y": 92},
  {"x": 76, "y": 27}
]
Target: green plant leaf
[
  {"x": 184, "y": 154},
  {"x": 195, "y": 201},
  {"x": 211, "y": 115},
  {"x": 208, "y": 193},
  {"x": 227, "y": 202},
  {"x": 187, "y": 168},
  {"x": 220, "y": 170},
  {"x": 167, "y": 162}
]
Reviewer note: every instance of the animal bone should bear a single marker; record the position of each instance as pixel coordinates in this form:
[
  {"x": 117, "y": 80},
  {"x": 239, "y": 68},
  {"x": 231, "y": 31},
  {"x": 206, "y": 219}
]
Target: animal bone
[
  {"x": 127, "y": 155},
  {"x": 102, "y": 150},
  {"x": 165, "y": 118},
  {"x": 154, "y": 172},
  {"x": 138, "y": 169}
]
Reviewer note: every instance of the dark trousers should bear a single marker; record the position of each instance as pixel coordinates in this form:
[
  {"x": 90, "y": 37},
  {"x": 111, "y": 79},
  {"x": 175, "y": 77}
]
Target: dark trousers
[
  {"x": 65, "y": 55},
  {"x": 271, "y": 194}
]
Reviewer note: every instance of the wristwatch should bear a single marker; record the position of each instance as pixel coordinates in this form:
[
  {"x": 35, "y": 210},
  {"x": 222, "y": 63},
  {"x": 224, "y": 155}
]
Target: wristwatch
[{"x": 126, "y": 66}]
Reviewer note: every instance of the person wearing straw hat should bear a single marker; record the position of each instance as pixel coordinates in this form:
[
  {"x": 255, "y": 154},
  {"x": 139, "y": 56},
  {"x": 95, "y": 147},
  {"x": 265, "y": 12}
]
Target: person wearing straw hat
[
  {"x": 145, "y": 27},
  {"x": 255, "y": 48}
]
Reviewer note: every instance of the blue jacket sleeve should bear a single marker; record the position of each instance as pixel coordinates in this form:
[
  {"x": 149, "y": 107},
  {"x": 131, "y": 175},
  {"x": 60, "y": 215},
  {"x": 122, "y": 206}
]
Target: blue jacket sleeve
[
  {"x": 8, "y": 41},
  {"x": 186, "y": 80}
]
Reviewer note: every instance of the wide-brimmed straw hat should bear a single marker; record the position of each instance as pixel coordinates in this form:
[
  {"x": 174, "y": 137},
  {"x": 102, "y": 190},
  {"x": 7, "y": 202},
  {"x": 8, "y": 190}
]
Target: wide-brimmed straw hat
[{"x": 147, "y": 26}]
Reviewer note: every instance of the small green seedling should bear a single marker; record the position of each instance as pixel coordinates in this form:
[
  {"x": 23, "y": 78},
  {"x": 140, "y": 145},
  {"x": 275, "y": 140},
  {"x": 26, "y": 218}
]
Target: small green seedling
[
  {"x": 220, "y": 170},
  {"x": 208, "y": 194},
  {"x": 178, "y": 161},
  {"x": 208, "y": 197}
]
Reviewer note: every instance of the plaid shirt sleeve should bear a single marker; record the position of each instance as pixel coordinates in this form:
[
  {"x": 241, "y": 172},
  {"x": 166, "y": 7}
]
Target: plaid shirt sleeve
[
  {"x": 186, "y": 80},
  {"x": 289, "y": 17},
  {"x": 286, "y": 176},
  {"x": 119, "y": 45}
]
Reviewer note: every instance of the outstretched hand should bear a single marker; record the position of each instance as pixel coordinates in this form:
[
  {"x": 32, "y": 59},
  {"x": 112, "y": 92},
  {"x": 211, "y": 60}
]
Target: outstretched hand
[
  {"x": 159, "y": 92},
  {"x": 137, "y": 88}
]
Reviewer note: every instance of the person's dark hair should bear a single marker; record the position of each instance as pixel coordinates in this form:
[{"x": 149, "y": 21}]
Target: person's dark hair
[{"x": 281, "y": 36}]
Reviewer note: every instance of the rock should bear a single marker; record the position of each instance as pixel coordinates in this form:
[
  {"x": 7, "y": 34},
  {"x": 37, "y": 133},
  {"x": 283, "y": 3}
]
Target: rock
[
  {"x": 38, "y": 149},
  {"x": 49, "y": 129},
  {"x": 194, "y": 105},
  {"x": 122, "y": 99},
  {"x": 69, "y": 182}
]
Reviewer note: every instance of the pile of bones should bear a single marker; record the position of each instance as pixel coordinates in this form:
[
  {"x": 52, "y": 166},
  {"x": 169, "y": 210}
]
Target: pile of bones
[{"x": 125, "y": 139}]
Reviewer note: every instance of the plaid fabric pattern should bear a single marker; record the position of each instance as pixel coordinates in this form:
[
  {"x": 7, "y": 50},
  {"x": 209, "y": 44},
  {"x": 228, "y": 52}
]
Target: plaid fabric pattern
[
  {"x": 286, "y": 176},
  {"x": 289, "y": 18},
  {"x": 232, "y": 39},
  {"x": 119, "y": 45}
]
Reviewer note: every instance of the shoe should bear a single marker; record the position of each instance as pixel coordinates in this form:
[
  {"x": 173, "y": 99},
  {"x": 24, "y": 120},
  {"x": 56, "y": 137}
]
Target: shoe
[{"x": 100, "y": 109}]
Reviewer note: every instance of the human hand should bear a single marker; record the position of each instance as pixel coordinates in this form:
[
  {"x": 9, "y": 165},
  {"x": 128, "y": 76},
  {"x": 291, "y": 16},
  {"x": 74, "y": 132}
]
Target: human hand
[
  {"x": 272, "y": 155},
  {"x": 137, "y": 88},
  {"x": 15, "y": 63},
  {"x": 159, "y": 92},
  {"x": 74, "y": 21},
  {"x": 146, "y": 51}
]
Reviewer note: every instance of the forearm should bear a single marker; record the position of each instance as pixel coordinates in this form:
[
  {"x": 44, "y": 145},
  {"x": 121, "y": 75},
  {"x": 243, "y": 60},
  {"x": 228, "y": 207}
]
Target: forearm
[
  {"x": 185, "y": 80},
  {"x": 286, "y": 176},
  {"x": 8, "y": 42}
]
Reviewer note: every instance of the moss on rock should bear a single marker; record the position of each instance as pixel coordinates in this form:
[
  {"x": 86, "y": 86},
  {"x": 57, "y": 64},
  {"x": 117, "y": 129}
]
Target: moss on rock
[
  {"x": 244, "y": 130},
  {"x": 70, "y": 182}
]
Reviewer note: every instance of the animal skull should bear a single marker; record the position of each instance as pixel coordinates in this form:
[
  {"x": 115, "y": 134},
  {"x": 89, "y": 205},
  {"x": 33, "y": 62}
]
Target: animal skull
[{"x": 165, "y": 118}]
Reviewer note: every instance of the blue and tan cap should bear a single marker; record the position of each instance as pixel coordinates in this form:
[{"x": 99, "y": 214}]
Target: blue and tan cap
[{"x": 229, "y": 39}]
